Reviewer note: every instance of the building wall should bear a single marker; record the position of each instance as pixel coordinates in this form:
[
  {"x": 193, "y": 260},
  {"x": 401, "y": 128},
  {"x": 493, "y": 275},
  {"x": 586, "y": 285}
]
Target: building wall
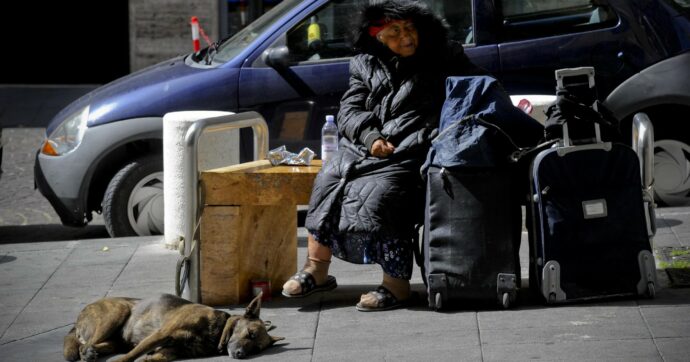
[
  {"x": 160, "y": 29},
  {"x": 63, "y": 42}
]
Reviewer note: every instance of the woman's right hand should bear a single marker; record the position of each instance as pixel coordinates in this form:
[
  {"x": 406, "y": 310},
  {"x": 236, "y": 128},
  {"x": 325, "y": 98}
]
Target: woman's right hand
[{"x": 382, "y": 148}]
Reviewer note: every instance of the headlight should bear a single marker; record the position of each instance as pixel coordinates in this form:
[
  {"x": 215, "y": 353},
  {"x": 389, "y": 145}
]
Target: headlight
[{"x": 67, "y": 136}]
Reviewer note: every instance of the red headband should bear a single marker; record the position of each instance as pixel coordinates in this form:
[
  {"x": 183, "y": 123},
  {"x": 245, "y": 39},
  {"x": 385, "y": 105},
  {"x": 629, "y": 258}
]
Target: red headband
[{"x": 378, "y": 25}]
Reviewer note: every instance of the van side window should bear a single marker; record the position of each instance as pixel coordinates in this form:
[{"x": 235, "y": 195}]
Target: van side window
[
  {"x": 526, "y": 19},
  {"x": 458, "y": 14},
  {"x": 325, "y": 33}
]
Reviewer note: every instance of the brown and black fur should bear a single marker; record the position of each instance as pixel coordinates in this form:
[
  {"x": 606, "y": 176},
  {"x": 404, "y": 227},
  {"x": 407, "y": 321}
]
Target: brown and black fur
[{"x": 164, "y": 328}]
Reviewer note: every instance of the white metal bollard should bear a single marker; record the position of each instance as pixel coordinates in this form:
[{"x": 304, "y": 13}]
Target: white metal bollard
[{"x": 215, "y": 150}]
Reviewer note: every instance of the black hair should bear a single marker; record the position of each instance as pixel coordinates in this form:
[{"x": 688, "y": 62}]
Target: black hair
[{"x": 432, "y": 30}]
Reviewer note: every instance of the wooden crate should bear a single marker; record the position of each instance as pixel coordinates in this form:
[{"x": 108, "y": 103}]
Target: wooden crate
[{"x": 249, "y": 227}]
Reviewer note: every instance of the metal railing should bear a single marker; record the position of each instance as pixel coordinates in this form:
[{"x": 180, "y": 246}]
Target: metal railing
[
  {"x": 643, "y": 144},
  {"x": 192, "y": 189}
]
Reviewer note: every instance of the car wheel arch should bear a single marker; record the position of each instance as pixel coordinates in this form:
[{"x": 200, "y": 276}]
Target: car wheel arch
[
  {"x": 109, "y": 164},
  {"x": 665, "y": 82}
]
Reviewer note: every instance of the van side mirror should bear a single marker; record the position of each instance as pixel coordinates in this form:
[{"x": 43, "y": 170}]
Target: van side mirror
[{"x": 277, "y": 58}]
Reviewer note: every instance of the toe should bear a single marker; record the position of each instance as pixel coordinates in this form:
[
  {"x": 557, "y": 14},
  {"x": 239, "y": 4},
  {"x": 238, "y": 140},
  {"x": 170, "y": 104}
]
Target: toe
[
  {"x": 368, "y": 300},
  {"x": 292, "y": 287}
]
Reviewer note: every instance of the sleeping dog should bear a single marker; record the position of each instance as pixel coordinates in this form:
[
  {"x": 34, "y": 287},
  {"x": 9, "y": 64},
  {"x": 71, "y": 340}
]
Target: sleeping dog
[{"x": 165, "y": 328}]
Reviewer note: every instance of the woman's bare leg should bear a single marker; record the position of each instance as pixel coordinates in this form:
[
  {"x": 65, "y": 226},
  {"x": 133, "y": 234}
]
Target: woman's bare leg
[
  {"x": 318, "y": 261},
  {"x": 317, "y": 251}
]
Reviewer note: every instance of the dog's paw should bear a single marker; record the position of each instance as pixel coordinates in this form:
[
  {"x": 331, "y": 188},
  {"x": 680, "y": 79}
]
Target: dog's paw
[{"x": 88, "y": 354}]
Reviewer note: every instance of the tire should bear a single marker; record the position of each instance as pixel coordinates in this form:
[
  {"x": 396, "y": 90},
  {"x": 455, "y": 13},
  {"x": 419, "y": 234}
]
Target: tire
[
  {"x": 672, "y": 172},
  {"x": 133, "y": 201}
]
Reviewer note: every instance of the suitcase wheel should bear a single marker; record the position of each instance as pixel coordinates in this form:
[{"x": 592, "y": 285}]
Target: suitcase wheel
[
  {"x": 651, "y": 292},
  {"x": 552, "y": 297},
  {"x": 436, "y": 301},
  {"x": 506, "y": 300}
]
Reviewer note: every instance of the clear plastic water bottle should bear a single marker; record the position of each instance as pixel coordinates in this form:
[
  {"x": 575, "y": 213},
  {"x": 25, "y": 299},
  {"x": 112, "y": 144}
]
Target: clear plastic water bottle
[{"x": 329, "y": 139}]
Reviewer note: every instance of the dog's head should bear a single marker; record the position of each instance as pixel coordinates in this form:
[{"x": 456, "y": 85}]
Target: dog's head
[{"x": 248, "y": 334}]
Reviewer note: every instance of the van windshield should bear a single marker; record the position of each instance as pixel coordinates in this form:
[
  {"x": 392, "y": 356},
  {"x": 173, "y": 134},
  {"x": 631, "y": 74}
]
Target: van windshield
[{"x": 234, "y": 45}]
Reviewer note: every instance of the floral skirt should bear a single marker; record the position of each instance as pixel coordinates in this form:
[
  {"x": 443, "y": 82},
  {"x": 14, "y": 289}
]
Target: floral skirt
[{"x": 393, "y": 254}]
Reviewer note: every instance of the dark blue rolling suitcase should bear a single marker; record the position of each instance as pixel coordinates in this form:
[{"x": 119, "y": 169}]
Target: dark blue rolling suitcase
[{"x": 590, "y": 231}]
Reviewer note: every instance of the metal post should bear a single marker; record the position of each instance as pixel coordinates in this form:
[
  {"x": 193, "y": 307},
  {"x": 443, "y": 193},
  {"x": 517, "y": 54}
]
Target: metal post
[
  {"x": 191, "y": 177},
  {"x": 643, "y": 144}
]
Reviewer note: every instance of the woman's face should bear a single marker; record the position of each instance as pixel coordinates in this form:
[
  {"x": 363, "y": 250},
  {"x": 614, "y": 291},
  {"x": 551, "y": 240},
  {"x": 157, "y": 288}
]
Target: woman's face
[{"x": 400, "y": 36}]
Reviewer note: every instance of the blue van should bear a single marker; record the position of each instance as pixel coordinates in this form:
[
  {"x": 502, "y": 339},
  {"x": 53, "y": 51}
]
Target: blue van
[{"x": 103, "y": 152}]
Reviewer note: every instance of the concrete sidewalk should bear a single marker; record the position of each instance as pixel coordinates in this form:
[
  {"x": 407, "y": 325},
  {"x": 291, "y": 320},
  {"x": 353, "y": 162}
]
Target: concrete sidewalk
[{"x": 45, "y": 284}]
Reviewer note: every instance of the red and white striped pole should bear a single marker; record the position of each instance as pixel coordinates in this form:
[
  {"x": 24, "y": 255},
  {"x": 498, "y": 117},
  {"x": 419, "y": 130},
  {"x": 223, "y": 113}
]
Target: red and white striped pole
[{"x": 195, "y": 34}]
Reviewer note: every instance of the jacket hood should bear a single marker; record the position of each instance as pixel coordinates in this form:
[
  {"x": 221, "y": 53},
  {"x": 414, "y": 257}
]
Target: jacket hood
[{"x": 433, "y": 30}]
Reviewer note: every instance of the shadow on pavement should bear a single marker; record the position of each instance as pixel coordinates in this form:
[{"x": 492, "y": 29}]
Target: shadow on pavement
[
  {"x": 668, "y": 222},
  {"x": 52, "y": 232}
]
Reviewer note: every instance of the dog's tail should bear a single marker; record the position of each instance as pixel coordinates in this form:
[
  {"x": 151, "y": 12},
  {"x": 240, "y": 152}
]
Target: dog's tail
[{"x": 70, "y": 348}]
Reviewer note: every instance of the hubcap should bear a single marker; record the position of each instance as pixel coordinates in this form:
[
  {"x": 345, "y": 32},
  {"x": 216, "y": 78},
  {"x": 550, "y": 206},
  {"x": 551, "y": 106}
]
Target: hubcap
[
  {"x": 145, "y": 205},
  {"x": 672, "y": 172}
]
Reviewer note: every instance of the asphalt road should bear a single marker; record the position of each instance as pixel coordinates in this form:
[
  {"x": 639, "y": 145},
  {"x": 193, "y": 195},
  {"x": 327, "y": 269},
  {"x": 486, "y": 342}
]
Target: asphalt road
[{"x": 25, "y": 215}]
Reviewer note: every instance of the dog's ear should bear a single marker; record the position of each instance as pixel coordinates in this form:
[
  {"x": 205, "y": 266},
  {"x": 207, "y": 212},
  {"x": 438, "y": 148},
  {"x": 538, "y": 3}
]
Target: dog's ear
[
  {"x": 276, "y": 339},
  {"x": 269, "y": 326},
  {"x": 254, "y": 307},
  {"x": 227, "y": 333}
]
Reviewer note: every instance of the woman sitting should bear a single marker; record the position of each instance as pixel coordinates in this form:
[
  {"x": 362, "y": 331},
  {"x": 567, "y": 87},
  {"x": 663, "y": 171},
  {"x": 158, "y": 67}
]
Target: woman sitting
[{"x": 368, "y": 199}]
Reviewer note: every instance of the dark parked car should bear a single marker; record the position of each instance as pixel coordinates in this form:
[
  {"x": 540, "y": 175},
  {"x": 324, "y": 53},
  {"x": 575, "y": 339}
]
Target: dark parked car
[{"x": 103, "y": 152}]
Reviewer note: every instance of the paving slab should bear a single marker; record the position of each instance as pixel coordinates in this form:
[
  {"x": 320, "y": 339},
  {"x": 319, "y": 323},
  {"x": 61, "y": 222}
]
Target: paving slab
[
  {"x": 668, "y": 239},
  {"x": 674, "y": 349},
  {"x": 46, "y": 346},
  {"x": 550, "y": 325},
  {"x": 48, "y": 310},
  {"x": 668, "y": 321},
  {"x": 11, "y": 306},
  {"x": 344, "y": 334},
  {"x": 29, "y": 269},
  {"x": 597, "y": 350}
]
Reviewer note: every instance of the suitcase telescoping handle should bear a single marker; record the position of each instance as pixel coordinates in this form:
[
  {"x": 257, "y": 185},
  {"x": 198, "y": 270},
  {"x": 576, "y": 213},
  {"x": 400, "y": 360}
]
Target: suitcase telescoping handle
[
  {"x": 562, "y": 75},
  {"x": 566, "y": 136},
  {"x": 573, "y": 77}
]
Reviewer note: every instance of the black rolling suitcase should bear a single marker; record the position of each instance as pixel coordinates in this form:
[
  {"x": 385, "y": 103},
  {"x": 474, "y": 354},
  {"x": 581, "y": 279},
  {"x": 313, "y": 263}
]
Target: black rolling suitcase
[
  {"x": 590, "y": 234},
  {"x": 473, "y": 216},
  {"x": 471, "y": 236}
]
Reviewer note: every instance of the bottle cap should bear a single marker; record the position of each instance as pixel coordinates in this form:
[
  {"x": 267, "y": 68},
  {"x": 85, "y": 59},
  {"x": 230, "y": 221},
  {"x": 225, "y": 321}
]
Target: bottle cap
[{"x": 330, "y": 118}]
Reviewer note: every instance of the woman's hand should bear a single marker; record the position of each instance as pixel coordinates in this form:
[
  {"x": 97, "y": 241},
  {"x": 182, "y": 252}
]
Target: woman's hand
[{"x": 382, "y": 148}]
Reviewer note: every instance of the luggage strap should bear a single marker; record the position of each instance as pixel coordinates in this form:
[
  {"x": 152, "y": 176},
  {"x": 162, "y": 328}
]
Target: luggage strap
[
  {"x": 522, "y": 152},
  {"x": 519, "y": 152}
]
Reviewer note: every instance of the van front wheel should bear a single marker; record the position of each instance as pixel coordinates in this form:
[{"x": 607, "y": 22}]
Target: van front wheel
[{"x": 133, "y": 201}]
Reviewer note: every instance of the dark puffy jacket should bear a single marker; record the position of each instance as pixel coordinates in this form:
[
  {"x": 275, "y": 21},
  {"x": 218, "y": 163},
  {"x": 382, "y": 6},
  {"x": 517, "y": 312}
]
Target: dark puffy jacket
[{"x": 400, "y": 100}]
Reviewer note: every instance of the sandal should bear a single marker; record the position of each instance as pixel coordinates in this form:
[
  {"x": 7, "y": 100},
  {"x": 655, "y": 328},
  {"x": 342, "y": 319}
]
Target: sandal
[
  {"x": 386, "y": 301},
  {"x": 308, "y": 284}
]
